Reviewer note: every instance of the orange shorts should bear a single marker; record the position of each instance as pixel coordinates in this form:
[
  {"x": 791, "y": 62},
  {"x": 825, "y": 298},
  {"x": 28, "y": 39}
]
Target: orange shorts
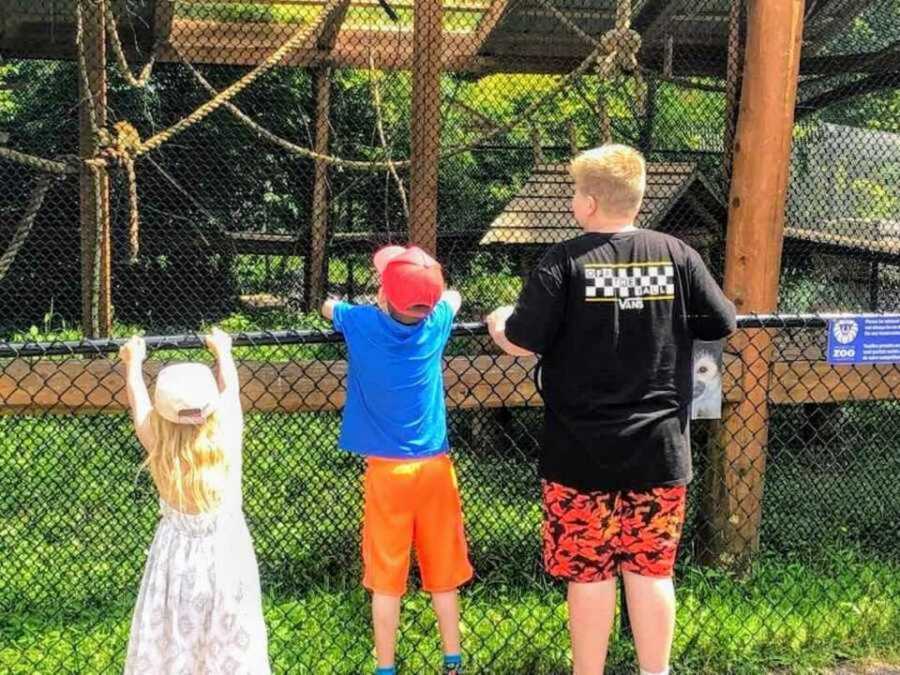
[{"x": 413, "y": 502}]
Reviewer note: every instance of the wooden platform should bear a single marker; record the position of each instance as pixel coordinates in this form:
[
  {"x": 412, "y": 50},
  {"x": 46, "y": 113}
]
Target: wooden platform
[{"x": 520, "y": 36}]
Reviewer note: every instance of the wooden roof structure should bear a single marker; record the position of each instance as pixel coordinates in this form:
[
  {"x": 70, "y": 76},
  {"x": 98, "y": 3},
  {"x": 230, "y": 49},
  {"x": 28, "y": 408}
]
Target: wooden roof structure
[
  {"x": 480, "y": 36},
  {"x": 873, "y": 239},
  {"x": 540, "y": 214}
]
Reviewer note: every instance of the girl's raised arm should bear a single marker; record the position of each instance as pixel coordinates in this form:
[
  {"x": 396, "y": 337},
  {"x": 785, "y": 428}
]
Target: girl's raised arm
[
  {"x": 219, "y": 343},
  {"x": 133, "y": 354}
]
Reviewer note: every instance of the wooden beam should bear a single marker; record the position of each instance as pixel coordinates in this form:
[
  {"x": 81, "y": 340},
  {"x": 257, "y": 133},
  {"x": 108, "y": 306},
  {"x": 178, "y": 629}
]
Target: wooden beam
[
  {"x": 868, "y": 85},
  {"x": 487, "y": 24},
  {"x": 487, "y": 381},
  {"x": 316, "y": 266},
  {"x": 343, "y": 243},
  {"x": 163, "y": 17},
  {"x": 425, "y": 143},
  {"x": 248, "y": 43},
  {"x": 802, "y": 382},
  {"x": 753, "y": 267},
  {"x": 95, "y": 228},
  {"x": 332, "y": 27},
  {"x": 840, "y": 20},
  {"x": 288, "y": 387},
  {"x": 654, "y": 17},
  {"x": 214, "y": 42}
]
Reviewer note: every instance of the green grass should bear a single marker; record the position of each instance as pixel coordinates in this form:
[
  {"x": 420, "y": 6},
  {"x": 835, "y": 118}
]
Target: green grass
[{"x": 76, "y": 518}]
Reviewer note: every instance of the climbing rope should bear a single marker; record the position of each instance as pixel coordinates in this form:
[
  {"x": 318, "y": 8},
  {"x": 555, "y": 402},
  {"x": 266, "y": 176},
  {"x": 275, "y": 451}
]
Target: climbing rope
[
  {"x": 37, "y": 163},
  {"x": 83, "y": 69},
  {"x": 379, "y": 124},
  {"x": 143, "y": 79},
  {"x": 301, "y": 39},
  {"x": 20, "y": 236},
  {"x": 617, "y": 49},
  {"x": 284, "y": 144},
  {"x": 120, "y": 148}
]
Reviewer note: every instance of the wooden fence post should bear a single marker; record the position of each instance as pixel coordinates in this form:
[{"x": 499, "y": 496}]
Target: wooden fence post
[
  {"x": 316, "y": 286},
  {"x": 96, "y": 320},
  {"x": 428, "y": 36},
  {"x": 752, "y": 269}
]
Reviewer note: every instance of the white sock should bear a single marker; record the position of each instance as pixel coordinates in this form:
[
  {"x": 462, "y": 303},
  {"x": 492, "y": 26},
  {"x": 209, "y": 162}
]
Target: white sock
[{"x": 662, "y": 672}]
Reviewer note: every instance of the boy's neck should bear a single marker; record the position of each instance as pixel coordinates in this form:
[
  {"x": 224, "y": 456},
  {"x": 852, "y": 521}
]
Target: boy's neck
[{"x": 608, "y": 226}]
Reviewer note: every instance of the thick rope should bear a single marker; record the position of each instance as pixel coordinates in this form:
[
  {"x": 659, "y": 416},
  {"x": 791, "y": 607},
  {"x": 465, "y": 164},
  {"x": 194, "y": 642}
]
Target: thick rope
[
  {"x": 618, "y": 51},
  {"x": 603, "y": 122},
  {"x": 379, "y": 123},
  {"x": 82, "y": 67},
  {"x": 288, "y": 146},
  {"x": 63, "y": 165},
  {"x": 143, "y": 79},
  {"x": 37, "y": 163},
  {"x": 121, "y": 149},
  {"x": 496, "y": 130},
  {"x": 94, "y": 170},
  {"x": 531, "y": 109},
  {"x": 26, "y": 223},
  {"x": 296, "y": 41},
  {"x": 134, "y": 220}
]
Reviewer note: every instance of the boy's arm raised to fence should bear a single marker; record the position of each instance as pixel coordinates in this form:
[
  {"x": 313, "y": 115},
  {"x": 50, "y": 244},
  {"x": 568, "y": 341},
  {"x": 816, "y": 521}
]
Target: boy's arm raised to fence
[
  {"x": 532, "y": 325},
  {"x": 454, "y": 299},
  {"x": 712, "y": 314},
  {"x": 496, "y": 325},
  {"x": 133, "y": 354},
  {"x": 327, "y": 309}
]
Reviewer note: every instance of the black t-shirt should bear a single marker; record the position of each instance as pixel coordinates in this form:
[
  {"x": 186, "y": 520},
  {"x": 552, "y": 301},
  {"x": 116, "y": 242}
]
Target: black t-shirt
[{"x": 614, "y": 317}]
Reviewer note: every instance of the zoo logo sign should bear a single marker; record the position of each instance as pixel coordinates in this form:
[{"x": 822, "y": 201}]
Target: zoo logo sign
[{"x": 845, "y": 331}]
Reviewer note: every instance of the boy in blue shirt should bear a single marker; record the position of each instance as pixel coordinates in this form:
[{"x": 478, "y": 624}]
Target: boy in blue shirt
[{"x": 396, "y": 417}]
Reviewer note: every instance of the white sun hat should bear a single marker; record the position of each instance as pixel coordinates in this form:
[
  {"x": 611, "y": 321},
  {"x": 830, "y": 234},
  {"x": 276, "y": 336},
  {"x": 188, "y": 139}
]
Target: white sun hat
[{"x": 186, "y": 393}]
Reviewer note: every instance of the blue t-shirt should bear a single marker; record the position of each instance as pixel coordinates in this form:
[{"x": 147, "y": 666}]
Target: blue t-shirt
[{"x": 395, "y": 387}]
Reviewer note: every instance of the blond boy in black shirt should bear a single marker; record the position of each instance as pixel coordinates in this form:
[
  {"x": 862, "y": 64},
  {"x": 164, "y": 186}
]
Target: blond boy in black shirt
[{"x": 613, "y": 314}]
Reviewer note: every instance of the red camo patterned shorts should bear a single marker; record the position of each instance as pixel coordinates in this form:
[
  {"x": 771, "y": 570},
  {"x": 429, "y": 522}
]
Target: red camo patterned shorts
[{"x": 593, "y": 536}]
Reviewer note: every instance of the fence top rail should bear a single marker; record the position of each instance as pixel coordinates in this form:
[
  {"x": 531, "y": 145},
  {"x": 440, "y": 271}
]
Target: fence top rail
[{"x": 314, "y": 336}]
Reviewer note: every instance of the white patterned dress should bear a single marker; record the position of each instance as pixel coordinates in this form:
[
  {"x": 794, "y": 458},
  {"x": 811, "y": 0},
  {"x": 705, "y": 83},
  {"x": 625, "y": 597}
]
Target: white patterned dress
[{"x": 199, "y": 610}]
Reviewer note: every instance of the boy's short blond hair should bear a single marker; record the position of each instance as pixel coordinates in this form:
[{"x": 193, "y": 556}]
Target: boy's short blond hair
[{"x": 614, "y": 175}]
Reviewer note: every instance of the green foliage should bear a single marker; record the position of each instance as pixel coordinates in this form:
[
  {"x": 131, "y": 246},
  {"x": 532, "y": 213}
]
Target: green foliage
[{"x": 76, "y": 517}]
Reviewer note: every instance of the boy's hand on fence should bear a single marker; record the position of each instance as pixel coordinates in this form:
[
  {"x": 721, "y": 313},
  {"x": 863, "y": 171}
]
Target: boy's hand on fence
[
  {"x": 496, "y": 320},
  {"x": 218, "y": 342},
  {"x": 134, "y": 351}
]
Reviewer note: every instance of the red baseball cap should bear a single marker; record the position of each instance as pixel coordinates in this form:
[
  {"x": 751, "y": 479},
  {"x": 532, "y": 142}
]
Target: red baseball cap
[{"x": 412, "y": 280}]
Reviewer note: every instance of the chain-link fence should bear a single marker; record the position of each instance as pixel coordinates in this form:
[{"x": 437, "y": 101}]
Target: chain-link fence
[
  {"x": 248, "y": 157},
  {"x": 166, "y": 165},
  {"x": 790, "y": 545}
]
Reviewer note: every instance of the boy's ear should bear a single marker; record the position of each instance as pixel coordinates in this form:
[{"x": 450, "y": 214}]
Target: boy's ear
[{"x": 595, "y": 205}]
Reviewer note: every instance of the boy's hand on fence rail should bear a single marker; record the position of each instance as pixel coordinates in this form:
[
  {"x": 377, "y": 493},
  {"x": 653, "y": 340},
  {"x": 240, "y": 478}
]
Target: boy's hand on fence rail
[
  {"x": 134, "y": 351},
  {"x": 496, "y": 320},
  {"x": 496, "y": 326}
]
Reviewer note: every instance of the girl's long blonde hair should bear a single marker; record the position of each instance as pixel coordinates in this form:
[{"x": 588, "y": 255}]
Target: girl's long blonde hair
[{"x": 188, "y": 463}]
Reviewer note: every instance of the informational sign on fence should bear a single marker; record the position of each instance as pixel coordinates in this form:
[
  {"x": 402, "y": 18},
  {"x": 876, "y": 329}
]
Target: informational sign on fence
[{"x": 869, "y": 339}]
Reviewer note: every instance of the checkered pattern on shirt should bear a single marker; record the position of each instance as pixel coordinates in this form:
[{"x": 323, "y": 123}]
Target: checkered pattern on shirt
[{"x": 633, "y": 281}]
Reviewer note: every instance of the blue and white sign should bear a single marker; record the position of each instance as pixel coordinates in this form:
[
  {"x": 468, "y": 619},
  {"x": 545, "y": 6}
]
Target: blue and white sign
[{"x": 869, "y": 339}]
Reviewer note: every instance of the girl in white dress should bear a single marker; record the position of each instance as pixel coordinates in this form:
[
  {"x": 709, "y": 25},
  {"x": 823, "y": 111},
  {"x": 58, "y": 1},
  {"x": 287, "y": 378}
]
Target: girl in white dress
[{"x": 199, "y": 610}]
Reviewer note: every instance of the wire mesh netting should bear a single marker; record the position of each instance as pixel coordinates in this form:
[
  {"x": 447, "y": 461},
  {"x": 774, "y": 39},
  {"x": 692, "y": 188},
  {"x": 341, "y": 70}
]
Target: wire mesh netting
[
  {"x": 169, "y": 165},
  {"x": 78, "y": 514}
]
